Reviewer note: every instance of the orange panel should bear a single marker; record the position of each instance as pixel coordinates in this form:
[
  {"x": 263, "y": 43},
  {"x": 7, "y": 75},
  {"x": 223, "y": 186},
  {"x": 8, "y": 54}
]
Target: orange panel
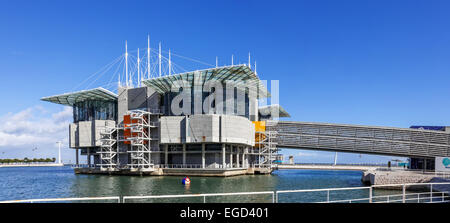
[
  {"x": 126, "y": 119},
  {"x": 260, "y": 126}
]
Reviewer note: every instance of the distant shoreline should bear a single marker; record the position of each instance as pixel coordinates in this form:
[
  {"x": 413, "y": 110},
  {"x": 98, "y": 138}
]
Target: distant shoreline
[{"x": 31, "y": 164}]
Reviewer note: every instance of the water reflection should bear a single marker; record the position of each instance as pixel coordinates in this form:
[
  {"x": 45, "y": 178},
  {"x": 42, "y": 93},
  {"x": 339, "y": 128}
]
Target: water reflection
[{"x": 49, "y": 182}]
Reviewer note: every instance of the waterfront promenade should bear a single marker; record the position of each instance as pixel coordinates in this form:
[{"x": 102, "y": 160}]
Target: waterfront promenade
[{"x": 30, "y": 164}]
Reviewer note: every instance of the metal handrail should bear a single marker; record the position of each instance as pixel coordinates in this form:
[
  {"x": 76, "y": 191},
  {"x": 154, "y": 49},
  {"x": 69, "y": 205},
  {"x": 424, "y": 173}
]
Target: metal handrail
[
  {"x": 434, "y": 196},
  {"x": 63, "y": 199},
  {"x": 199, "y": 195}
]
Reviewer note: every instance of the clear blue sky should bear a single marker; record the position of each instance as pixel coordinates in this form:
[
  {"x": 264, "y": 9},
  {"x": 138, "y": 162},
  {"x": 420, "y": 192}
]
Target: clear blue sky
[{"x": 365, "y": 62}]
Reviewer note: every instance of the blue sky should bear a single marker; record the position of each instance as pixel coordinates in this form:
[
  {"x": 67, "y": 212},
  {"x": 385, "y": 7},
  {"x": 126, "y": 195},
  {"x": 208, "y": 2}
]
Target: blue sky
[{"x": 383, "y": 63}]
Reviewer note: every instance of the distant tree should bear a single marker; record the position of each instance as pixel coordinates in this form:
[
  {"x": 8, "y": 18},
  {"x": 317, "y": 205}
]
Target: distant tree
[
  {"x": 53, "y": 159},
  {"x": 26, "y": 160}
]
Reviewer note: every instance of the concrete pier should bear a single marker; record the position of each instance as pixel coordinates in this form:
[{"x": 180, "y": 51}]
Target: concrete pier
[{"x": 383, "y": 177}]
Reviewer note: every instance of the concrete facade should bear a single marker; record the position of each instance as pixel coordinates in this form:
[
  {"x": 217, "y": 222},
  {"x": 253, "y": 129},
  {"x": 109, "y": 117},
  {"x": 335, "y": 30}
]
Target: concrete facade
[
  {"x": 207, "y": 129},
  {"x": 87, "y": 133}
]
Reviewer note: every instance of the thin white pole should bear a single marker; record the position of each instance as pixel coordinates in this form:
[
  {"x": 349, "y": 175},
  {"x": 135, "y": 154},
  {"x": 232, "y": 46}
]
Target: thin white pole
[
  {"x": 170, "y": 65},
  {"x": 159, "y": 58},
  {"x": 255, "y": 68},
  {"x": 249, "y": 64},
  {"x": 232, "y": 58},
  {"x": 217, "y": 62},
  {"x": 148, "y": 57},
  {"x": 126, "y": 64},
  {"x": 335, "y": 158},
  {"x": 59, "y": 151},
  {"x": 138, "y": 70}
]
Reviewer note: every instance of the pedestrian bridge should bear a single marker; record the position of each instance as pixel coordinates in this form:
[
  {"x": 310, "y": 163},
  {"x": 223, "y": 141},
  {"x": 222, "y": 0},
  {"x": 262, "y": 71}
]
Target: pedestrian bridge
[{"x": 404, "y": 142}]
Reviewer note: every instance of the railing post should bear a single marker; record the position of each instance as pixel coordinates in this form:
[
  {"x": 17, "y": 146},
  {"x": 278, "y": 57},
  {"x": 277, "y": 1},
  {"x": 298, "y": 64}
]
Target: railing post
[
  {"x": 431, "y": 193},
  {"x": 370, "y": 194},
  {"x": 276, "y": 196},
  {"x": 204, "y": 199},
  {"x": 328, "y": 196},
  {"x": 273, "y": 197},
  {"x": 404, "y": 193}
]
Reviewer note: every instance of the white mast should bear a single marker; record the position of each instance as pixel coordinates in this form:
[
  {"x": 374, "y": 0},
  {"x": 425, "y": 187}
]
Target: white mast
[
  {"x": 126, "y": 64},
  {"x": 217, "y": 62},
  {"x": 170, "y": 65},
  {"x": 249, "y": 64},
  {"x": 335, "y": 158},
  {"x": 138, "y": 70},
  {"x": 159, "y": 58},
  {"x": 59, "y": 152},
  {"x": 148, "y": 57},
  {"x": 232, "y": 57},
  {"x": 255, "y": 68}
]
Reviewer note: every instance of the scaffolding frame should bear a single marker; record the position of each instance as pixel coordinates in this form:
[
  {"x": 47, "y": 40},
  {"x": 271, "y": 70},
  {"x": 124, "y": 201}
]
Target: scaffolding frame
[
  {"x": 267, "y": 150},
  {"x": 108, "y": 148},
  {"x": 141, "y": 129}
]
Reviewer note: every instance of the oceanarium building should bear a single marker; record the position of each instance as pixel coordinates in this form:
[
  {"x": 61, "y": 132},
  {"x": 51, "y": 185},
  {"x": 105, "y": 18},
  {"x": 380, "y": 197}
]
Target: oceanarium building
[
  {"x": 209, "y": 123},
  {"x": 205, "y": 123}
]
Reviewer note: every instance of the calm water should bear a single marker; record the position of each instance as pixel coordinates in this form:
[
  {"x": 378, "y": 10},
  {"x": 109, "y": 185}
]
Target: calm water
[{"x": 53, "y": 182}]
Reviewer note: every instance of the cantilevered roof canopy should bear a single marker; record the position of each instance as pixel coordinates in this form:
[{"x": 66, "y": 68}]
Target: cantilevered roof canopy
[
  {"x": 70, "y": 99},
  {"x": 240, "y": 75},
  {"x": 271, "y": 109}
]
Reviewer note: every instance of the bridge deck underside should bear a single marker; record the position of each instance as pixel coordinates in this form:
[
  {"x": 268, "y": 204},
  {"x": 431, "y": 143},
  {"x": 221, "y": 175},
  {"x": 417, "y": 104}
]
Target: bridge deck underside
[{"x": 362, "y": 139}]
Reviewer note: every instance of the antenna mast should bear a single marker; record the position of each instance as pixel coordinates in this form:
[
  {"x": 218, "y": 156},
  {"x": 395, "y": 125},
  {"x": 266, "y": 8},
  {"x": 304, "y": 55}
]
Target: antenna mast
[
  {"x": 138, "y": 70},
  {"x": 217, "y": 62},
  {"x": 170, "y": 65},
  {"x": 232, "y": 57},
  {"x": 148, "y": 56},
  {"x": 159, "y": 58},
  {"x": 126, "y": 63},
  {"x": 249, "y": 64}
]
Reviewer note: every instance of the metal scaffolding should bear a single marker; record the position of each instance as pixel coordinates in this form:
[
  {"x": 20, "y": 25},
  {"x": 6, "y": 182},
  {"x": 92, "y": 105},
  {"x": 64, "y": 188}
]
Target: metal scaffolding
[
  {"x": 267, "y": 150},
  {"x": 108, "y": 148},
  {"x": 140, "y": 139}
]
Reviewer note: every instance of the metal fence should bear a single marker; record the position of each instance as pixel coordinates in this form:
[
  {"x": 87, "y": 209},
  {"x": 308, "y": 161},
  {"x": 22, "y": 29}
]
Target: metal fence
[
  {"x": 60, "y": 200},
  {"x": 203, "y": 196},
  {"x": 389, "y": 193}
]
